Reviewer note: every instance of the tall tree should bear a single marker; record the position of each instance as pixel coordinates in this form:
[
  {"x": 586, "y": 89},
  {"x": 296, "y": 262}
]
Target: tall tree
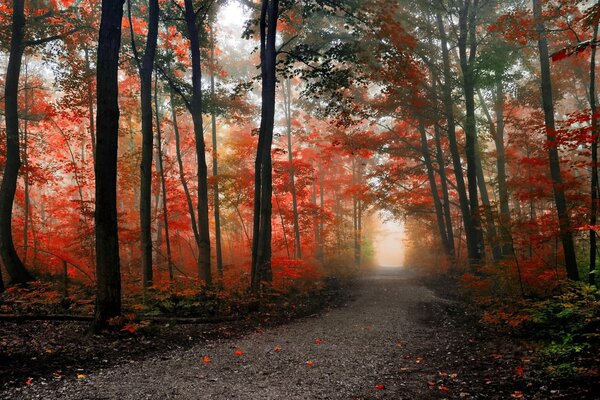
[
  {"x": 566, "y": 235},
  {"x": 145, "y": 68},
  {"x": 263, "y": 178},
  {"x": 13, "y": 264},
  {"x": 108, "y": 269}
]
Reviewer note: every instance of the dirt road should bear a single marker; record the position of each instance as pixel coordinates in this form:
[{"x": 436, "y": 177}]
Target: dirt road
[{"x": 396, "y": 341}]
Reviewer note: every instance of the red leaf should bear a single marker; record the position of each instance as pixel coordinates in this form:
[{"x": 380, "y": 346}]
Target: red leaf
[{"x": 380, "y": 387}]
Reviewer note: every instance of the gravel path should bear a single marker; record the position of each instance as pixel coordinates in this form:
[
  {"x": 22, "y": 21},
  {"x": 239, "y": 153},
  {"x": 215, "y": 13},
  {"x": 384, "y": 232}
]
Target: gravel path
[{"x": 368, "y": 349}]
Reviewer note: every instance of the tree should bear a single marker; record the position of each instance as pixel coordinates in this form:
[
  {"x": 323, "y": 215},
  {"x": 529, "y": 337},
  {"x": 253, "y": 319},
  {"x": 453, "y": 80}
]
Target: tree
[
  {"x": 145, "y": 68},
  {"x": 8, "y": 254},
  {"x": 263, "y": 178},
  {"x": 108, "y": 270},
  {"x": 566, "y": 235}
]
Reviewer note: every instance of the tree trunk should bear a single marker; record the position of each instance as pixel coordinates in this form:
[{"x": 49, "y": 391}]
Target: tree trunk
[
  {"x": 145, "y": 69},
  {"x": 444, "y": 185},
  {"x": 10, "y": 259},
  {"x": 466, "y": 39},
  {"x": 473, "y": 246},
  {"x": 215, "y": 165},
  {"x": 184, "y": 184},
  {"x": 163, "y": 186},
  {"x": 26, "y": 173},
  {"x": 566, "y": 235},
  {"x": 90, "y": 99},
  {"x": 263, "y": 179},
  {"x": 492, "y": 232},
  {"x": 434, "y": 190},
  {"x": 204, "y": 272},
  {"x": 287, "y": 96},
  {"x": 108, "y": 277},
  {"x": 594, "y": 181}
]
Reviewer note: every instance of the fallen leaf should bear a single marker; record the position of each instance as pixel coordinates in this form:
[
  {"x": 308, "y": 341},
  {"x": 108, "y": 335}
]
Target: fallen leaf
[
  {"x": 404, "y": 369},
  {"x": 430, "y": 383},
  {"x": 380, "y": 387},
  {"x": 398, "y": 343},
  {"x": 277, "y": 348},
  {"x": 418, "y": 360},
  {"x": 238, "y": 352},
  {"x": 28, "y": 381},
  {"x": 318, "y": 341},
  {"x": 519, "y": 371},
  {"x": 443, "y": 387},
  {"x": 309, "y": 363},
  {"x": 442, "y": 374},
  {"x": 517, "y": 394},
  {"x": 80, "y": 376},
  {"x": 206, "y": 359},
  {"x": 49, "y": 351}
]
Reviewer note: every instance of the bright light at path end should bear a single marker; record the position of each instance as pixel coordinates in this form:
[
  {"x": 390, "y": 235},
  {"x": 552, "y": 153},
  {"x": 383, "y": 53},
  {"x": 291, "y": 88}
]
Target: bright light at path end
[{"x": 389, "y": 244}]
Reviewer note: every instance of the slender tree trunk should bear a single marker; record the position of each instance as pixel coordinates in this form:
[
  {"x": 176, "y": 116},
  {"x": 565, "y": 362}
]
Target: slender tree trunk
[
  {"x": 184, "y": 184},
  {"x": 492, "y": 232},
  {"x": 90, "y": 100},
  {"x": 594, "y": 182},
  {"x": 261, "y": 239},
  {"x": 108, "y": 271},
  {"x": 287, "y": 95},
  {"x": 466, "y": 38},
  {"x": 145, "y": 68},
  {"x": 471, "y": 233},
  {"x": 566, "y": 235},
  {"x": 285, "y": 239},
  {"x": 439, "y": 213},
  {"x": 444, "y": 185},
  {"x": 204, "y": 271},
  {"x": 163, "y": 186},
  {"x": 215, "y": 165},
  {"x": 25, "y": 172},
  {"x": 10, "y": 259}
]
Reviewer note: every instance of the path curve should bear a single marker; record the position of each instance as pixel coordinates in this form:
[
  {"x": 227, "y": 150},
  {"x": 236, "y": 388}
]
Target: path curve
[{"x": 346, "y": 353}]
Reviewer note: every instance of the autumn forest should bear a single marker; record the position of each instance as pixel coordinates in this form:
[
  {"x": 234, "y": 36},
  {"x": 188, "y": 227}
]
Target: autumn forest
[{"x": 201, "y": 180}]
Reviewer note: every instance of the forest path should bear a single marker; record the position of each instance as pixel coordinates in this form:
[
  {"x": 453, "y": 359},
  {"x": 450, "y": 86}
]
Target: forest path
[{"x": 394, "y": 334}]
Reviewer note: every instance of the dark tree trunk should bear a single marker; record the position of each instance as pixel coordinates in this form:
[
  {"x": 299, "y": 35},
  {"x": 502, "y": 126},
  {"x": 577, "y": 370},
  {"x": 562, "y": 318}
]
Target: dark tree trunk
[
  {"x": 566, "y": 235},
  {"x": 163, "y": 187},
  {"x": 186, "y": 190},
  {"x": 466, "y": 38},
  {"x": 594, "y": 181},
  {"x": 145, "y": 68},
  {"x": 204, "y": 272},
  {"x": 444, "y": 185},
  {"x": 472, "y": 235},
  {"x": 15, "y": 268},
  {"x": 263, "y": 180},
  {"x": 492, "y": 232},
  {"x": 439, "y": 213},
  {"x": 215, "y": 165},
  {"x": 108, "y": 271},
  {"x": 287, "y": 95}
]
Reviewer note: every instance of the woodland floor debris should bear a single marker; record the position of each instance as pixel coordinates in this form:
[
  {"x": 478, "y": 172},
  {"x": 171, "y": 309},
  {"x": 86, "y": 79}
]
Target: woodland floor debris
[{"x": 397, "y": 340}]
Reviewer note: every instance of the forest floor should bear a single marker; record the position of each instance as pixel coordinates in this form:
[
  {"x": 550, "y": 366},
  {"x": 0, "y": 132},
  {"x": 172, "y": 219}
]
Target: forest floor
[{"x": 396, "y": 340}]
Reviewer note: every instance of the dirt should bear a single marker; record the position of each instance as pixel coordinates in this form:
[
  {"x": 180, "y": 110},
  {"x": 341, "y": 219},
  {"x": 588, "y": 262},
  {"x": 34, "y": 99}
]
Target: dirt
[{"x": 396, "y": 340}]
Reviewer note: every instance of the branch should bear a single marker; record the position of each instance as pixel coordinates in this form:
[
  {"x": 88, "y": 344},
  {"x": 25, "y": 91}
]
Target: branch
[
  {"x": 136, "y": 55},
  {"x": 176, "y": 88},
  {"x": 48, "y": 39}
]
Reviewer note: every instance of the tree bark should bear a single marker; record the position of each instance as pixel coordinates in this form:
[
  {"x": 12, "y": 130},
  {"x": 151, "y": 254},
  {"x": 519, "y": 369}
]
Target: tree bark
[
  {"x": 492, "y": 232},
  {"x": 163, "y": 186},
  {"x": 594, "y": 180},
  {"x": 566, "y": 235},
  {"x": 473, "y": 246},
  {"x": 13, "y": 264},
  {"x": 444, "y": 186},
  {"x": 263, "y": 180},
  {"x": 145, "y": 69},
  {"x": 184, "y": 184},
  {"x": 434, "y": 190},
  {"x": 108, "y": 271},
  {"x": 215, "y": 165},
  {"x": 204, "y": 272},
  {"x": 466, "y": 38},
  {"x": 287, "y": 95}
]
